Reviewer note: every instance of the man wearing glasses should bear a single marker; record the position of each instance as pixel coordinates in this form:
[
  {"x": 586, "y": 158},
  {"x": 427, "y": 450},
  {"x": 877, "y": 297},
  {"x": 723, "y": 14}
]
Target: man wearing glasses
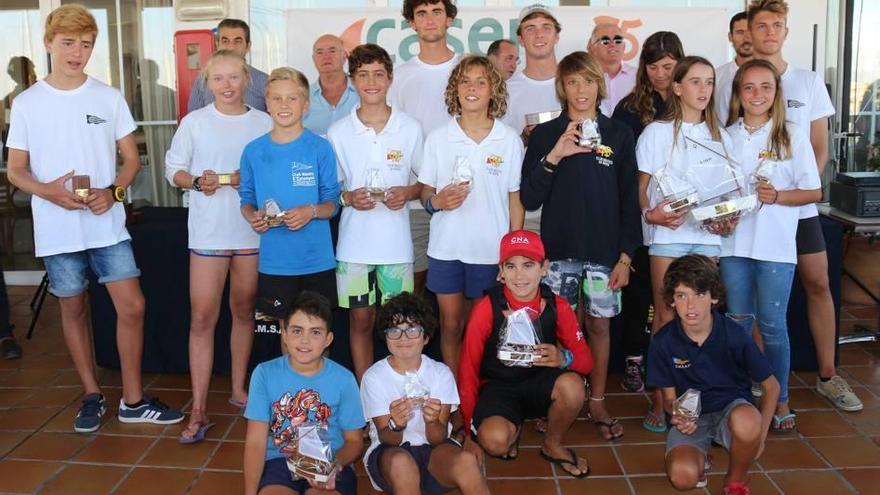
[{"x": 607, "y": 45}]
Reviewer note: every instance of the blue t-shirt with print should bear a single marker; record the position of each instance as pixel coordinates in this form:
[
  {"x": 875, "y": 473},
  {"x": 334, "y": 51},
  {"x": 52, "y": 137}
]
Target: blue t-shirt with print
[
  {"x": 283, "y": 398},
  {"x": 301, "y": 172}
]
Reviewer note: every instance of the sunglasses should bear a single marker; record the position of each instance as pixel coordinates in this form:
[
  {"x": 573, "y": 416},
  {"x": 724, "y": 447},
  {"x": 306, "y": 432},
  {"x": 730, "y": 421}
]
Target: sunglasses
[
  {"x": 605, "y": 40},
  {"x": 396, "y": 333}
]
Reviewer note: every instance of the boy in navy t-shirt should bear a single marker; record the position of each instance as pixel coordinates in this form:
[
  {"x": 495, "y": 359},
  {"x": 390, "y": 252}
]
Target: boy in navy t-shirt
[
  {"x": 708, "y": 352},
  {"x": 302, "y": 387}
]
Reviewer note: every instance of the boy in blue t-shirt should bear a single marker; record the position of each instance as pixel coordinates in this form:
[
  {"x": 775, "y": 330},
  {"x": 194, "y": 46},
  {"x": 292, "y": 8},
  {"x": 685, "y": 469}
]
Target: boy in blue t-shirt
[
  {"x": 296, "y": 169},
  {"x": 302, "y": 387},
  {"x": 708, "y": 352}
]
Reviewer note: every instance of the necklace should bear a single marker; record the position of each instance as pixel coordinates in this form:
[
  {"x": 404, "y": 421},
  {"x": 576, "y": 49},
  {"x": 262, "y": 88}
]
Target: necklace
[{"x": 754, "y": 128}]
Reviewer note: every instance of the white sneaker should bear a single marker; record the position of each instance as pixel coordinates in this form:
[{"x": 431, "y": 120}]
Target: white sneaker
[
  {"x": 707, "y": 465},
  {"x": 757, "y": 391},
  {"x": 839, "y": 393}
]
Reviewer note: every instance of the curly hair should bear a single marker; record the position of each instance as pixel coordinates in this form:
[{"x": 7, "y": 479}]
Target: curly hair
[
  {"x": 696, "y": 272},
  {"x": 409, "y": 8},
  {"x": 659, "y": 45},
  {"x": 406, "y": 308},
  {"x": 369, "y": 53},
  {"x": 498, "y": 96}
]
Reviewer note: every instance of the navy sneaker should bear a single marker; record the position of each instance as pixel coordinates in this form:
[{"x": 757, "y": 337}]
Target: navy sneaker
[
  {"x": 151, "y": 411},
  {"x": 88, "y": 418}
]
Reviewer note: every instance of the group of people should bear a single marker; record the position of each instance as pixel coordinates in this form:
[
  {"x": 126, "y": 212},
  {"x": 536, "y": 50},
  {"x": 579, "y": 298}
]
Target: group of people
[{"x": 442, "y": 170}]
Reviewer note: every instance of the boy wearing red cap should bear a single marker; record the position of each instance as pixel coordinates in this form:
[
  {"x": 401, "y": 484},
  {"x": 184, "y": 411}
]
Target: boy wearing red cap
[{"x": 495, "y": 398}]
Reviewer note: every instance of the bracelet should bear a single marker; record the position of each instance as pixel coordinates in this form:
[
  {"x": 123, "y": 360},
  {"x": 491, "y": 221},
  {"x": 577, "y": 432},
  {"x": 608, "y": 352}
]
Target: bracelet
[
  {"x": 314, "y": 211},
  {"x": 775, "y": 197},
  {"x": 430, "y": 207},
  {"x": 627, "y": 264},
  {"x": 645, "y": 214},
  {"x": 567, "y": 358},
  {"x": 342, "y": 199}
]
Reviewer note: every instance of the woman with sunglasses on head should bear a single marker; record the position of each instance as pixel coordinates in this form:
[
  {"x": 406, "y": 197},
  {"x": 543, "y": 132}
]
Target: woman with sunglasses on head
[{"x": 647, "y": 102}]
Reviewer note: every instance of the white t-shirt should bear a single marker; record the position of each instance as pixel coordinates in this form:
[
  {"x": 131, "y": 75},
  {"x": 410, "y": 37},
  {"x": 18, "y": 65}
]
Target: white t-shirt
[
  {"x": 419, "y": 90},
  {"x": 379, "y": 236},
  {"x": 471, "y": 233},
  {"x": 723, "y": 86},
  {"x": 617, "y": 88},
  {"x": 64, "y": 130},
  {"x": 208, "y": 139},
  {"x": 526, "y": 95},
  {"x": 769, "y": 234},
  {"x": 382, "y": 385},
  {"x": 655, "y": 152}
]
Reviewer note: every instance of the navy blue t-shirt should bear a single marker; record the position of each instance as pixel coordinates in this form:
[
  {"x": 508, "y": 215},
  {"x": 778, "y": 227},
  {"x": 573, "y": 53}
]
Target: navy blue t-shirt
[{"x": 722, "y": 369}]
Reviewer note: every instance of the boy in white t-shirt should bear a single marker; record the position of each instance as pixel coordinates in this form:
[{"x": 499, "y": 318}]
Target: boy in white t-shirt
[
  {"x": 71, "y": 124},
  {"x": 378, "y": 148},
  {"x": 408, "y": 398}
]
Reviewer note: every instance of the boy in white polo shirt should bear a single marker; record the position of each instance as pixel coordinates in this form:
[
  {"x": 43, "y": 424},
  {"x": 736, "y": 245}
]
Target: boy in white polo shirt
[
  {"x": 374, "y": 247},
  {"x": 71, "y": 124}
]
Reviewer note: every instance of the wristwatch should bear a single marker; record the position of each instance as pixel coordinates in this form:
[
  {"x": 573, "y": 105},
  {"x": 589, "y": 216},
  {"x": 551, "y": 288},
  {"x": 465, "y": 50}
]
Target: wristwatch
[
  {"x": 118, "y": 192},
  {"x": 550, "y": 167},
  {"x": 394, "y": 427},
  {"x": 195, "y": 183}
]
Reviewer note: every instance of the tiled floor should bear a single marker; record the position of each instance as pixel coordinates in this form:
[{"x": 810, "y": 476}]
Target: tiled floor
[{"x": 833, "y": 453}]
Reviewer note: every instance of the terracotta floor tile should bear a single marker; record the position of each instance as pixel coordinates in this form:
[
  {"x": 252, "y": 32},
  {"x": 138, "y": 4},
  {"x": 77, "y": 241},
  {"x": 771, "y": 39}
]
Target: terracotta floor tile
[
  {"x": 50, "y": 446},
  {"x": 218, "y": 403},
  {"x": 789, "y": 454},
  {"x": 865, "y": 481},
  {"x": 10, "y": 439},
  {"x": 172, "y": 381},
  {"x": 583, "y": 432},
  {"x": 867, "y": 420},
  {"x": 29, "y": 378},
  {"x": 221, "y": 383},
  {"x": 603, "y": 486},
  {"x": 811, "y": 483},
  {"x": 529, "y": 465},
  {"x": 169, "y": 452},
  {"x": 40, "y": 361},
  {"x": 850, "y": 356},
  {"x": 821, "y": 423},
  {"x": 721, "y": 460},
  {"x": 13, "y": 396},
  {"x": 758, "y": 483},
  {"x": 65, "y": 378},
  {"x": 114, "y": 427},
  {"x": 848, "y": 452},
  {"x": 52, "y": 397},
  {"x": 642, "y": 459},
  {"x": 655, "y": 485},
  {"x": 230, "y": 455},
  {"x": 633, "y": 406},
  {"x": 223, "y": 422},
  {"x": 868, "y": 375},
  {"x": 602, "y": 461},
  {"x": 63, "y": 421},
  {"x": 25, "y": 418},
  {"x": 633, "y": 432},
  {"x": 239, "y": 430},
  {"x": 806, "y": 399},
  {"x": 25, "y": 476},
  {"x": 215, "y": 483},
  {"x": 115, "y": 449},
  {"x": 149, "y": 481},
  {"x": 109, "y": 378},
  {"x": 531, "y": 487},
  {"x": 80, "y": 479},
  {"x": 178, "y": 399}
]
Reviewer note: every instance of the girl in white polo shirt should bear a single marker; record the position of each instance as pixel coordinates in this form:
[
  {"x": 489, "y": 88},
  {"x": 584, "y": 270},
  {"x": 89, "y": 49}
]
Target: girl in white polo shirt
[
  {"x": 203, "y": 158},
  {"x": 759, "y": 259},
  {"x": 470, "y": 171},
  {"x": 685, "y": 137}
]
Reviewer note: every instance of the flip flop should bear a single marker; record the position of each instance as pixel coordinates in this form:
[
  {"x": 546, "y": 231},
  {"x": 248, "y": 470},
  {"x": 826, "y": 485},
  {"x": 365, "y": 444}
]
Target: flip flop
[
  {"x": 571, "y": 462},
  {"x": 663, "y": 427},
  {"x": 237, "y": 403},
  {"x": 199, "y": 435},
  {"x": 610, "y": 427},
  {"x": 778, "y": 420},
  {"x": 515, "y": 447}
]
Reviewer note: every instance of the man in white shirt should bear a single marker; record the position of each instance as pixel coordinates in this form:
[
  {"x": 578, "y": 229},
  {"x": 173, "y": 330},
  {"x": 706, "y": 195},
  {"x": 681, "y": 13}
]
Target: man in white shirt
[
  {"x": 332, "y": 96},
  {"x": 809, "y": 106},
  {"x": 607, "y": 45},
  {"x": 741, "y": 39},
  {"x": 419, "y": 91},
  {"x": 504, "y": 55}
]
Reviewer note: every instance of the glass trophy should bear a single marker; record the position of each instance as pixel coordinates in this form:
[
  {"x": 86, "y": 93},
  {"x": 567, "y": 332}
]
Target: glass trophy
[
  {"x": 313, "y": 459},
  {"x": 273, "y": 213},
  {"x": 688, "y": 405},
  {"x": 677, "y": 190},
  {"x": 518, "y": 337},
  {"x": 81, "y": 186},
  {"x": 462, "y": 173},
  {"x": 415, "y": 390},
  {"x": 722, "y": 189},
  {"x": 375, "y": 184},
  {"x": 590, "y": 137}
]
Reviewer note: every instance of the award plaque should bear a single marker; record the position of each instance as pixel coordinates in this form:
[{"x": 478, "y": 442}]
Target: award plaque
[
  {"x": 541, "y": 117},
  {"x": 81, "y": 185},
  {"x": 227, "y": 179}
]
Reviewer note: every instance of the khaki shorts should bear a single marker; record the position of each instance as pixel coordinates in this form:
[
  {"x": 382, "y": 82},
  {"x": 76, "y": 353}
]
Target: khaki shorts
[{"x": 419, "y": 225}]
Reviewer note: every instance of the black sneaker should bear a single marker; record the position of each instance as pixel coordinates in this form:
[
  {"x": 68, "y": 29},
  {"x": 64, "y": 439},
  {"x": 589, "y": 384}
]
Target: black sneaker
[
  {"x": 151, "y": 411},
  {"x": 9, "y": 348},
  {"x": 632, "y": 379},
  {"x": 88, "y": 418}
]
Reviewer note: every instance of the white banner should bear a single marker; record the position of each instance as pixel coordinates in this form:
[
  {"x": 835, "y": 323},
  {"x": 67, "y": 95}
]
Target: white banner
[{"x": 703, "y": 30}]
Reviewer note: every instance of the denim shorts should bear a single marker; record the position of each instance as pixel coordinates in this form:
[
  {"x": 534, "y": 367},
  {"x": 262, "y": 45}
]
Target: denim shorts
[
  {"x": 678, "y": 250},
  {"x": 450, "y": 277},
  {"x": 711, "y": 427},
  {"x": 67, "y": 271}
]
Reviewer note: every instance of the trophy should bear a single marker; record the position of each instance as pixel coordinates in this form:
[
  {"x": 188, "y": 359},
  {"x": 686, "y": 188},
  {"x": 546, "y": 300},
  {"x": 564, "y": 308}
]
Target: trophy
[
  {"x": 590, "y": 137},
  {"x": 722, "y": 190},
  {"x": 677, "y": 190},
  {"x": 462, "y": 173},
  {"x": 764, "y": 171},
  {"x": 227, "y": 179},
  {"x": 375, "y": 184},
  {"x": 81, "y": 186},
  {"x": 313, "y": 459},
  {"x": 603, "y": 302},
  {"x": 688, "y": 405},
  {"x": 414, "y": 390},
  {"x": 518, "y": 337},
  {"x": 541, "y": 117},
  {"x": 272, "y": 213}
]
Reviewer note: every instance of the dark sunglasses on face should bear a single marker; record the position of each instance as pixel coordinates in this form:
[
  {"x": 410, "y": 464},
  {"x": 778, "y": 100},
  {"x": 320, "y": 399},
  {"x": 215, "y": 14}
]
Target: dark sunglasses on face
[
  {"x": 395, "y": 333},
  {"x": 617, "y": 40}
]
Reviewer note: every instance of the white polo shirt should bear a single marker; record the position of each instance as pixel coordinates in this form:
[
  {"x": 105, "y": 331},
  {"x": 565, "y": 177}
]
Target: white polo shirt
[
  {"x": 769, "y": 234},
  {"x": 472, "y": 232},
  {"x": 526, "y": 95},
  {"x": 379, "y": 236},
  {"x": 617, "y": 88}
]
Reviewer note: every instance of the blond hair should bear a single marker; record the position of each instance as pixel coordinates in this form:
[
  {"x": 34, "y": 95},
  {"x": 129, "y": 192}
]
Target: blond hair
[
  {"x": 580, "y": 64},
  {"x": 498, "y": 93},
  {"x": 70, "y": 19},
  {"x": 227, "y": 55},
  {"x": 779, "y": 141},
  {"x": 289, "y": 74}
]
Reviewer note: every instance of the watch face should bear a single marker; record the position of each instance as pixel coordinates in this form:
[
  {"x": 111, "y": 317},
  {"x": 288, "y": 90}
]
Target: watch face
[{"x": 119, "y": 193}]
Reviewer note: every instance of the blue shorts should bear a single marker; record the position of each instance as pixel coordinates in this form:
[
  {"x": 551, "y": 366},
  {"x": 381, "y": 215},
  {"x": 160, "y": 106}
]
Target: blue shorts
[
  {"x": 275, "y": 472},
  {"x": 678, "y": 250},
  {"x": 421, "y": 454},
  {"x": 711, "y": 427},
  {"x": 450, "y": 277},
  {"x": 67, "y": 271}
]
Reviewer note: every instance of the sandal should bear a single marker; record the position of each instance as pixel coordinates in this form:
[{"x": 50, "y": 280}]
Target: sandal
[
  {"x": 606, "y": 428},
  {"x": 573, "y": 462},
  {"x": 778, "y": 420},
  {"x": 513, "y": 452},
  {"x": 659, "y": 424},
  {"x": 199, "y": 435}
]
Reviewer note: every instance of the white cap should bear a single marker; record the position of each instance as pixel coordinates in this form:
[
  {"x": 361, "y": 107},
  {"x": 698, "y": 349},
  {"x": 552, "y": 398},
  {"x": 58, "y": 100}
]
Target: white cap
[{"x": 536, "y": 7}]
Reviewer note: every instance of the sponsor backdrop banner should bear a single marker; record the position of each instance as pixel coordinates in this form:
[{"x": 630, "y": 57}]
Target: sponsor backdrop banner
[{"x": 703, "y": 30}]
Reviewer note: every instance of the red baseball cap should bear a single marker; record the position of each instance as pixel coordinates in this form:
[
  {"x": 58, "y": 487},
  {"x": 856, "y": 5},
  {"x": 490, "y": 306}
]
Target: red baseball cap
[{"x": 522, "y": 243}]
